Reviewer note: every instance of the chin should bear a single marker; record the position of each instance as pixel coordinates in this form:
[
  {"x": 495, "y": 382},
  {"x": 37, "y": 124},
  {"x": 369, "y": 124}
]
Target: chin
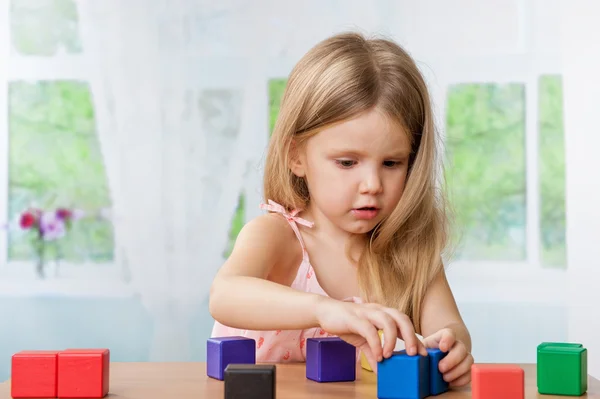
[{"x": 361, "y": 228}]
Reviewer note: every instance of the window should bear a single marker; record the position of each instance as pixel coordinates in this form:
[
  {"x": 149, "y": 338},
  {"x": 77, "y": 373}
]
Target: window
[
  {"x": 54, "y": 155},
  {"x": 552, "y": 172},
  {"x": 44, "y": 28},
  {"x": 55, "y": 161},
  {"x": 276, "y": 89},
  {"x": 487, "y": 174},
  {"x": 486, "y": 170},
  {"x": 239, "y": 219}
]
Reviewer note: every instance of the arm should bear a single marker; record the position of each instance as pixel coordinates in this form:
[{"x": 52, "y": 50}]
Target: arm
[
  {"x": 242, "y": 297},
  {"x": 444, "y": 329},
  {"x": 440, "y": 311}
]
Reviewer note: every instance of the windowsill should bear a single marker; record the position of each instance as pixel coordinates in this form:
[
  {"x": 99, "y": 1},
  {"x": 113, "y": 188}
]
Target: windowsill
[
  {"x": 471, "y": 282},
  {"x": 487, "y": 282},
  {"x": 18, "y": 279}
]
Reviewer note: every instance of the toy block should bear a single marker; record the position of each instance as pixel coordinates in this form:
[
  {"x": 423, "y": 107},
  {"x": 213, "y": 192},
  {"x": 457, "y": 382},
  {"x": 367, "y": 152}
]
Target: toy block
[
  {"x": 398, "y": 347},
  {"x": 403, "y": 377},
  {"x": 222, "y": 351},
  {"x": 497, "y": 381},
  {"x": 33, "y": 374},
  {"x": 330, "y": 359},
  {"x": 250, "y": 381},
  {"x": 364, "y": 363},
  {"x": 83, "y": 373},
  {"x": 437, "y": 385},
  {"x": 561, "y": 368}
]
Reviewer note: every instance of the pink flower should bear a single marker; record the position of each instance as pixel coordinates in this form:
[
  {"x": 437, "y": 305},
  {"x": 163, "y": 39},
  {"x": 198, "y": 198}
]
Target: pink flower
[
  {"x": 52, "y": 227},
  {"x": 77, "y": 214}
]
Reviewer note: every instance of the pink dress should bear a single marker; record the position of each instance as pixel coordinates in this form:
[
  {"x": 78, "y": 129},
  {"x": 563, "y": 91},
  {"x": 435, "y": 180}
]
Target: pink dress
[{"x": 287, "y": 345}]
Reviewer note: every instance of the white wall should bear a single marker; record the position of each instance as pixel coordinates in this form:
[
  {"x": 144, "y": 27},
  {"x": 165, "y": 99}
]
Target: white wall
[{"x": 581, "y": 65}]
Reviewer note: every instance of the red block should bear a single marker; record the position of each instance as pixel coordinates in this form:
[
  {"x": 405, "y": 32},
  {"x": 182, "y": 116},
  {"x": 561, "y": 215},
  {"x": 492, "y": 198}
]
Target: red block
[
  {"x": 83, "y": 373},
  {"x": 33, "y": 374},
  {"x": 497, "y": 381}
]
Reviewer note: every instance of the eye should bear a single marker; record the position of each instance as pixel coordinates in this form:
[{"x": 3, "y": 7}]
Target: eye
[
  {"x": 345, "y": 163},
  {"x": 391, "y": 164}
]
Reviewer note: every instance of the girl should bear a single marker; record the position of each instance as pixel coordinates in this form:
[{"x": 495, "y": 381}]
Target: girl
[{"x": 354, "y": 237}]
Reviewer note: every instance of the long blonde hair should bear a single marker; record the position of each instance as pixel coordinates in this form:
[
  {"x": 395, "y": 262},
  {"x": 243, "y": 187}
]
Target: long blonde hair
[{"x": 340, "y": 78}]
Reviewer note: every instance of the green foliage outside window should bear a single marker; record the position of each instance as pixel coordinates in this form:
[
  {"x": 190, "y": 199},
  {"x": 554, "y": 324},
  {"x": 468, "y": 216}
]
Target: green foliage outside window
[
  {"x": 55, "y": 161},
  {"x": 552, "y": 172},
  {"x": 44, "y": 27},
  {"x": 485, "y": 148}
]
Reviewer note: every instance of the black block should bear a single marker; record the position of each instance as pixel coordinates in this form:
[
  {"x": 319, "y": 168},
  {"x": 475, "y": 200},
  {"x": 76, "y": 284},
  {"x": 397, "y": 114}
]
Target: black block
[{"x": 250, "y": 381}]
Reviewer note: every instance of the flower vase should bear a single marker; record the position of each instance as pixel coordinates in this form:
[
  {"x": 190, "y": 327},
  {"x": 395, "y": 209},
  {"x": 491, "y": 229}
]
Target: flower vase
[{"x": 39, "y": 267}]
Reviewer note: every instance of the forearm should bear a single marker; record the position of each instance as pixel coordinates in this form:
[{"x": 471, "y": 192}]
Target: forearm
[
  {"x": 256, "y": 304},
  {"x": 462, "y": 333}
]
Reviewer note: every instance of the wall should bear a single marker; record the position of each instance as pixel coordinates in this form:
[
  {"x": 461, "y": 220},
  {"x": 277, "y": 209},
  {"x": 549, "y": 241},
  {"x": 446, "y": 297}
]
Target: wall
[{"x": 581, "y": 63}]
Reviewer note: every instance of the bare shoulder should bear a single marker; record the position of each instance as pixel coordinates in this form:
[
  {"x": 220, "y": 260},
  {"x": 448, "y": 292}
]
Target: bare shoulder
[
  {"x": 270, "y": 232},
  {"x": 264, "y": 243}
]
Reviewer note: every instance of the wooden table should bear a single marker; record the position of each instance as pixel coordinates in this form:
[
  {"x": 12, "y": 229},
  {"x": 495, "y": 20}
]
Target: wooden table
[{"x": 189, "y": 381}]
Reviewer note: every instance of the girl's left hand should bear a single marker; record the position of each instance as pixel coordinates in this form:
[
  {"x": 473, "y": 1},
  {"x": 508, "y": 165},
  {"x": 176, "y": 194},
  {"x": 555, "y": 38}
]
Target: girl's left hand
[{"x": 456, "y": 365}]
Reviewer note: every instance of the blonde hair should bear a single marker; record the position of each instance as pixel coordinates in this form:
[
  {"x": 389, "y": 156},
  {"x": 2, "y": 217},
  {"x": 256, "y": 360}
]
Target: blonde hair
[{"x": 340, "y": 78}]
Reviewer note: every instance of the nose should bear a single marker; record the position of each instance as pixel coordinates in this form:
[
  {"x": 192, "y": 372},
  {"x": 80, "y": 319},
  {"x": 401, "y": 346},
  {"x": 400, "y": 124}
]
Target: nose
[{"x": 371, "y": 182}]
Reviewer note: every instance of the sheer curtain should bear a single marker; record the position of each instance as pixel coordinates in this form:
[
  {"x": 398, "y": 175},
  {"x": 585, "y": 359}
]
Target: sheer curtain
[{"x": 175, "y": 153}]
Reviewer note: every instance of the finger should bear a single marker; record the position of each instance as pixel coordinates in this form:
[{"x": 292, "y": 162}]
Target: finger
[
  {"x": 461, "y": 381},
  {"x": 447, "y": 340},
  {"x": 421, "y": 348},
  {"x": 453, "y": 358},
  {"x": 433, "y": 341},
  {"x": 370, "y": 358},
  {"x": 385, "y": 322},
  {"x": 459, "y": 370},
  {"x": 367, "y": 330},
  {"x": 407, "y": 333}
]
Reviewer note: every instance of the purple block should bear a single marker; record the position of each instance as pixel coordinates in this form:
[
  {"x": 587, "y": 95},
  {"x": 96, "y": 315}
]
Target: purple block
[
  {"x": 330, "y": 359},
  {"x": 222, "y": 351}
]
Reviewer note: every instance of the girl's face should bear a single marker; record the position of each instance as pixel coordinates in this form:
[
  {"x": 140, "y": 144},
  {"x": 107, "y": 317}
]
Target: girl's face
[{"x": 355, "y": 171}]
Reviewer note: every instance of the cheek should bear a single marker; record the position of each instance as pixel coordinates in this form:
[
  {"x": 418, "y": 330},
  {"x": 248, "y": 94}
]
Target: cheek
[
  {"x": 327, "y": 186},
  {"x": 396, "y": 187}
]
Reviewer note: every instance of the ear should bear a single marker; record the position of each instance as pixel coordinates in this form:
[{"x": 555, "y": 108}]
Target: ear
[{"x": 297, "y": 160}]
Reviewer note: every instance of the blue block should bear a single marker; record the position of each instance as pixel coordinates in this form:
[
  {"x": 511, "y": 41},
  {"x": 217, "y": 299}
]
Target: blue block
[
  {"x": 437, "y": 385},
  {"x": 222, "y": 351},
  {"x": 403, "y": 377},
  {"x": 330, "y": 359}
]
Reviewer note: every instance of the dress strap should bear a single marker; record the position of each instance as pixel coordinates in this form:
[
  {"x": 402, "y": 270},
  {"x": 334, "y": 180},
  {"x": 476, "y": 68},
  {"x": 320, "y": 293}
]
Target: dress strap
[{"x": 292, "y": 220}]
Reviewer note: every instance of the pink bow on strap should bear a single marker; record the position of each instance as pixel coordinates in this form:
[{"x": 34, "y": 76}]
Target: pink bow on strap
[{"x": 275, "y": 207}]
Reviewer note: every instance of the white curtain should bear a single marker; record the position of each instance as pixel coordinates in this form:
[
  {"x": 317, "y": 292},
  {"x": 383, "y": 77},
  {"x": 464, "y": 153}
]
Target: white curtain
[
  {"x": 581, "y": 92},
  {"x": 175, "y": 153}
]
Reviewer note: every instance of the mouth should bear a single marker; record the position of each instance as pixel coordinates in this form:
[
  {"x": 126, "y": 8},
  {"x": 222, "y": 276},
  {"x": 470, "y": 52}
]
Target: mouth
[{"x": 365, "y": 212}]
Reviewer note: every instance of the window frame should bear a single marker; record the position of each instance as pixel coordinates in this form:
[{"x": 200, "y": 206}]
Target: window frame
[
  {"x": 17, "y": 277},
  {"x": 507, "y": 281}
]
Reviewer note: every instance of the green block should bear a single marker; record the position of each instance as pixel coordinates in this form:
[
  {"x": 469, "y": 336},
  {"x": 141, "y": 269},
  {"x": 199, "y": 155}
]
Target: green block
[{"x": 561, "y": 369}]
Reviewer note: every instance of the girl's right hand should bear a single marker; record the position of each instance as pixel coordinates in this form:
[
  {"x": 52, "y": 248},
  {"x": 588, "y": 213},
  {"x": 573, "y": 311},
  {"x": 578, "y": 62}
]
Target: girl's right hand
[{"x": 358, "y": 324}]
